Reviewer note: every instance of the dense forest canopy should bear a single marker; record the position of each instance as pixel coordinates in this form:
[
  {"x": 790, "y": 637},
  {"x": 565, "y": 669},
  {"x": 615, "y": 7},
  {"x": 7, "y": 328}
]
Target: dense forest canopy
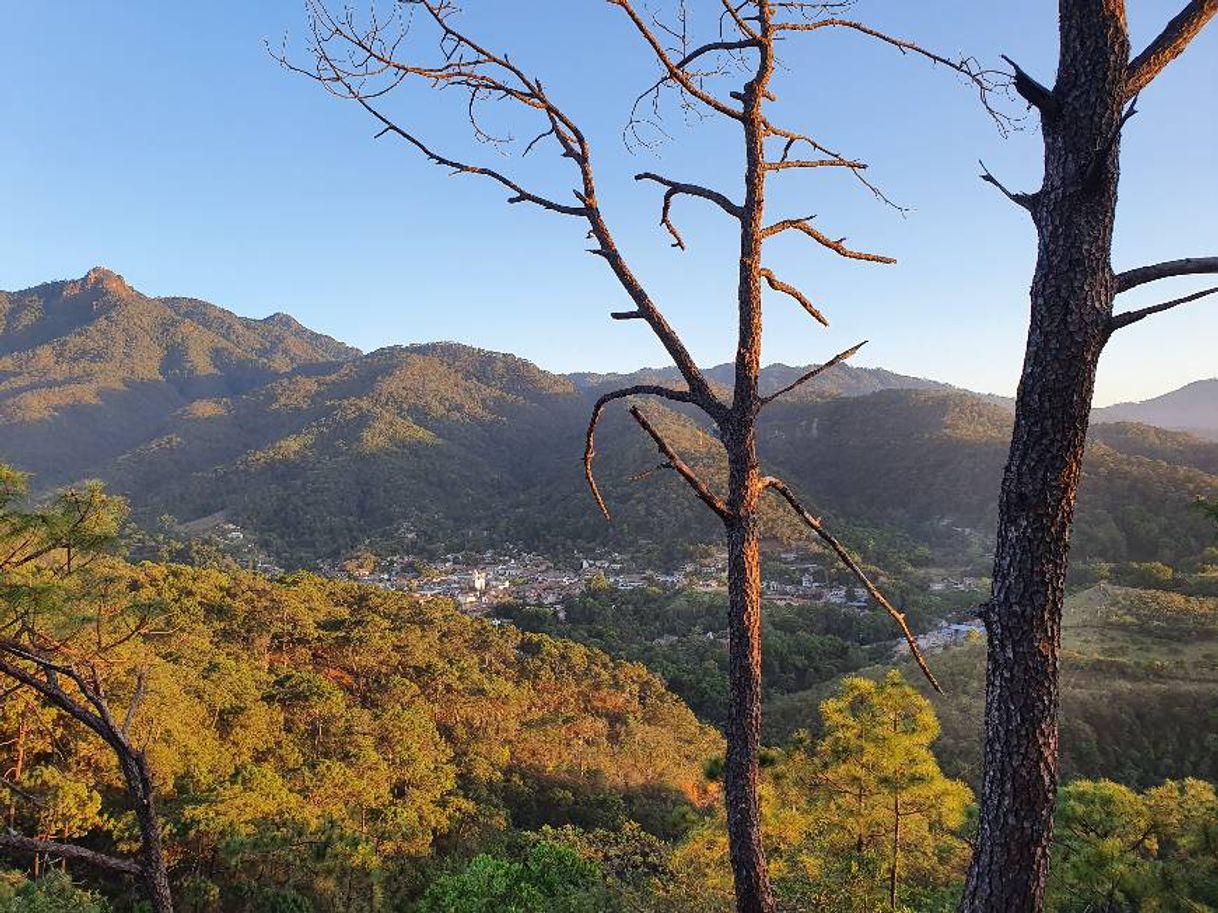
[{"x": 325, "y": 746}]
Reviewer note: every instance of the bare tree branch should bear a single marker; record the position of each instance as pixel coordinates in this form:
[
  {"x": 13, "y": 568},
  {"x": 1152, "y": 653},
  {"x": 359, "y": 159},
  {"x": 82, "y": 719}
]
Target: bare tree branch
[
  {"x": 18, "y": 844},
  {"x": 805, "y": 226},
  {"x": 677, "y": 188},
  {"x": 1186, "y": 266},
  {"x": 708, "y": 497},
  {"x": 1024, "y": 200},
  {"x": 712, "y": 46},
  {"x": 815, "y": 524},
  {"x": 986, "y": 81},
  {"x": 779, "y": 286},
  {"x": 520, "y": 195},
  {"x": 679, "y": 396},
  {"x": 672, "y": 71},
  {"x": 818, "y": 370},
  {"x": 1124, "y": 320},
  {"x": 785, "y": 164},
  {"x": 694, "y": 190},
  {"x": 1034, "y": 93},
  {"x": 473, "y": 67},
  {"x": 1168, "y": 45}
]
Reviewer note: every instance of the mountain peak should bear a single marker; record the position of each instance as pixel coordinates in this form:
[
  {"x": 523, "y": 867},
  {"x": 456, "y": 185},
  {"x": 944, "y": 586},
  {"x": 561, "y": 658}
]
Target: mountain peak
[{"x": 99, "y": 279}]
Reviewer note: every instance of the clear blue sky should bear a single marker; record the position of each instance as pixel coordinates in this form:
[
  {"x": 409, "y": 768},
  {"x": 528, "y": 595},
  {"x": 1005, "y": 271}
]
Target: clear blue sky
[{"x": 160, "y": 140}]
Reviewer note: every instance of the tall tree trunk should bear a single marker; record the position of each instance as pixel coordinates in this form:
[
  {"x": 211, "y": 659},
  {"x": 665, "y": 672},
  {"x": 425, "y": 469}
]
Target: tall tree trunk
[
  {"x": 1071, "y": 305},
  {"x": 752, "y": 881},
  {"x": 895, "y": 861},
  {"x": 152, "y": 858}
]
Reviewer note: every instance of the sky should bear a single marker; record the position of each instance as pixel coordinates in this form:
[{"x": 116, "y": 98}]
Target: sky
[{"x": 162, "y": 140}]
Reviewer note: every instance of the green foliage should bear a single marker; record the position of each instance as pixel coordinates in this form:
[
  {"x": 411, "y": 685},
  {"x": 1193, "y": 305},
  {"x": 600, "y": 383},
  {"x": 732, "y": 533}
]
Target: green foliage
[
  {"x": 318, "y": 743},
  {"x": 1138, "y": 689},
  {"x": 549, "y": 879},
  {"x": 850, "y": 816},
  {"x": 1119, "y": 850},
  {"x": 1207, "y": 508},
  {"x": 53, "y": 893}
]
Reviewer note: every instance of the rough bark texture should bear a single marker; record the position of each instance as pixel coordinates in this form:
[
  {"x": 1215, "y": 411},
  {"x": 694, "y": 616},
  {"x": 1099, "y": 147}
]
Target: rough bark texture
[
  {"x": 1071, "y": 305},
  {"x": 751, "y": 876},
  {"x": 154, "y": 873},
  {"x": 744, "y": 720}
]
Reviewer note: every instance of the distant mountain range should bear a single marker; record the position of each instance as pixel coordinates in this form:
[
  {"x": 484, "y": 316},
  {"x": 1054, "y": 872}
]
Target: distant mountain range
[
  {"x": 193, "y": 411},
  {"x": 1192, "y": 408}
]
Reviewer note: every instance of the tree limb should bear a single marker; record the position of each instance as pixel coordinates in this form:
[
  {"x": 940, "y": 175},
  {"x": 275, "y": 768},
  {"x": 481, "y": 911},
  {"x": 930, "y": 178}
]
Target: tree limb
[
  {"x": 1024, "y": 200},
  {"x": 967, "y": 67},
  {"x": 712, "y": 46},
  {"x": 679, "y": 396},
  {"x": 818, "y": 370},
  {"x": 694, "y": 190},
  {"x": 815, "y": 524},
  {"x": 784, "y": 164},
  {"x": 1034, "y": 93},
  {"x": 708, "y": 497},
  {"x": 803, "y": 225},
  {"x": 1168, "y": 45},
  {"x": 1186, "y": 266},
  {"x": 17, "y": 843},
  {"x": 672, "y": 71},
  {"x": 779, "y": 286},
  {"x": 1123, "y": 320}
]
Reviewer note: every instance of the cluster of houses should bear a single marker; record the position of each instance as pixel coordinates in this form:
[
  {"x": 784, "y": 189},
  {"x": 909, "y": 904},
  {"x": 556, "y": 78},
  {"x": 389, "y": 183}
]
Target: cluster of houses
[
  {"x": 948, "y": 634},
  {"x": 478, "y": 581}
]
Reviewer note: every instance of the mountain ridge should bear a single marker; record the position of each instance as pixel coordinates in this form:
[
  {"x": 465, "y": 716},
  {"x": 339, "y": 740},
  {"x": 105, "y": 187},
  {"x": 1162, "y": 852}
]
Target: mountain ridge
[{"x": 190, "y": 410}]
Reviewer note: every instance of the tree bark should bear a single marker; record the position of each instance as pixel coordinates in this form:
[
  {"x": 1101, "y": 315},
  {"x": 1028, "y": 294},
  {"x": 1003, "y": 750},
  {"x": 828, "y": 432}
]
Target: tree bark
[
  {"x": 153, "y": 871},
  {"x": 752, "y": 881},
  {"x": 1071, "y": 306},
  {"x": 739, "y": 431}
]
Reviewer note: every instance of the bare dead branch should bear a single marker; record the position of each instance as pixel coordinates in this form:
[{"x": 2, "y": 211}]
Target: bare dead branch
[
  {"x": 986, "y": 81},
  {"x": 814, "y": 372},
  {"x": 1024, "y": 200},
  {"x": 712, "y": 46},
  {"x": 1168, "y": 44},
  {"x": 677, "y": 188},
  {"x": 679, "y": 396},
  {"x": 472, "y": 66},
  {"x": 779, "y": 286},
  {"x": 1034, "y": 93},
  {"x": 785, "y": 164},
  {"x": 1124, "y": 320},
  {"x": 815, "y": 524},
  {"x": 1186, "y": 266},
  {"x": 708, "y": 497},
  {"x": 520, "y": 195},
  {"x": 732, "y": 11},
  {"x": 694, "y": 190},
  {"x": 673, "y": 72},
  {"x": 792, "y": 138},
  {"x": 805, "y": 226},
  {"x": 18, "y": 844}
]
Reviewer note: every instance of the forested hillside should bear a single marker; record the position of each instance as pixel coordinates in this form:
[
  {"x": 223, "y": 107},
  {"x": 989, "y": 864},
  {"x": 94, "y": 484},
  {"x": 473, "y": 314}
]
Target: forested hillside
[
  {"x": 316, "y": 449},
  {"x": 91, "y": 368},
  {"x": 1139, "y": 690}
]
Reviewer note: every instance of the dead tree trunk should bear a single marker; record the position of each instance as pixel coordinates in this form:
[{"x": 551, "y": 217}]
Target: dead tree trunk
[
  {"x": 1072, "y": 296},
  {"x": 356, "y": 60},
  {"x": 744, "y": 678}
]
